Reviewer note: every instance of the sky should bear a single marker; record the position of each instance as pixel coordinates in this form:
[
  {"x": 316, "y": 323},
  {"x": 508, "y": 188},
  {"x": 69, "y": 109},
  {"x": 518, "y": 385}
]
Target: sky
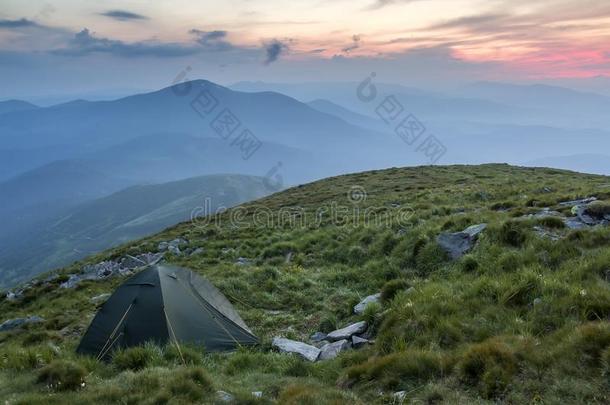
[{"x": 96, "y": 47}]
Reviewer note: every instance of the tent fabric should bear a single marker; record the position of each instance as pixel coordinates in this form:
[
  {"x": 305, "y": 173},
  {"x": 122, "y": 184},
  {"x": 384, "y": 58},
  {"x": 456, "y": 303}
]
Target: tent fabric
[{"x": 161, "y": 304}]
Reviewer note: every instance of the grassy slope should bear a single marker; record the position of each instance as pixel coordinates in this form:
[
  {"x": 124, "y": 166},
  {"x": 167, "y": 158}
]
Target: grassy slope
[{"x": 519, "y": 320}]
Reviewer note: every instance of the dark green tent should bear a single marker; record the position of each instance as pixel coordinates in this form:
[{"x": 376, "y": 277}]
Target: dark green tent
[{"x": 163, "y": 304}]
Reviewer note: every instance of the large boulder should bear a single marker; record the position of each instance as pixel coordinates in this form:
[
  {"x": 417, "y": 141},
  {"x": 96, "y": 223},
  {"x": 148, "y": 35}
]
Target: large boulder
[
  {"x": 15, "y": 323},
  {"x": 459, "y": 243},
  {"x": 361, "y": 306},
  {"x": 332, "y": 350},
  {"x": 347, "y": 332},
  {"x": 304, "y": 350}
]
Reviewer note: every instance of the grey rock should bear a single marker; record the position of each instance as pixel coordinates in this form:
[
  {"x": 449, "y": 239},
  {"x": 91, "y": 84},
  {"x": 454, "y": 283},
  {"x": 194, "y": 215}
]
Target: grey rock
[
  {"x": 399, "y": 397},
  {"x": 459, "y": 243},
  {"x": 98, "y": 299},
  {"x": 332, "y": 350},
  {"x": 544, "y": 213},
  {"x": 537, "y": 301},
  {"x": 243, "y": 261},
  {"x": 288, "y": 258},
  {"x": 162, "y": 246},
  {"x": 347, "y": 332},
  {"x": 14, "y": 295},
  {"x": 318, "y": 337},
  {"x": 304, "y": 350},
  {"x": 15, "y": 323},
  {"x": 361, "y": 306},
  {"x": 475, "y": 230},
  {"x": 224, "y": 396},
  {"x": 197, "y": 252},
  {"x": 584, "y": 217},
  {"x": 175, "y": 250},
  {"x": 179, "y": 242},
  {"x": 574, "y": 223},
  {"x": 358, "y": 342},
  {"x": 583, "y": 201},
  {"x": 257, "y": 394},
  {"x": 543, "y": 233}
]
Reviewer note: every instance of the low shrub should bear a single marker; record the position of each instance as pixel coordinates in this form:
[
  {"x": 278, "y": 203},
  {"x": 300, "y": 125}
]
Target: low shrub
[
  {"x": 187, "y": 355},
  {"x": 391, "y": 288},
  {"x": 551, "y": 222},
  {"x": 512, "y": 233},
  {"x": 606, "y": 363},
  {"x": 134, "y": 358},
  {"x": 62, "y": 375},
  {"x": 469, "y": 264},
  {"x": 398, "y": 370},
  {"x": 488, "y": 366},
  {"x": 502, "y": 206},
  {"x": 589, "y": 341}
]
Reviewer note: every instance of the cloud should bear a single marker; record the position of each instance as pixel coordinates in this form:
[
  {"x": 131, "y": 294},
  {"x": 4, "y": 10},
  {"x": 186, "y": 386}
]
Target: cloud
[
  {"x": 355, "y": 44},
  {"x": 212, "y": 40},
  {"x": 383, "y": 3},
  {"x": 85, "y": 43},
  {"x": 21, "y": 23},
  {"x": 123, "y": 15},
  {"x": 273, "y": 50},
  {"x": 474, "y": 22}
]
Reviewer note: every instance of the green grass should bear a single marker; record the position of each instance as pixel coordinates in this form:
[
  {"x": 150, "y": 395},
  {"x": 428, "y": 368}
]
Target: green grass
[{"x": 520, "y": 319}]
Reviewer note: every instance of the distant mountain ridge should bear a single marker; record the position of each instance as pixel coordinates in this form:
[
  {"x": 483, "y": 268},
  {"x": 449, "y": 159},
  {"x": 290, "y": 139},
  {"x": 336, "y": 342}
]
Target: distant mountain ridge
[{"x": 129, "y": 214}]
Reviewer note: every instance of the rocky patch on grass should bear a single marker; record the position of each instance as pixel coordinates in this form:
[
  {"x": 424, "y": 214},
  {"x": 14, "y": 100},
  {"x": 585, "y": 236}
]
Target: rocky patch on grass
[
  {"x": 173, "y": 246},
  {"x": 111, "y": 268},
  {"x": 17, "y": 322},
  {"x": 329, "y": 345},
  {"x": 17, "y": 294},
  {"x": 457, "y": 244}
]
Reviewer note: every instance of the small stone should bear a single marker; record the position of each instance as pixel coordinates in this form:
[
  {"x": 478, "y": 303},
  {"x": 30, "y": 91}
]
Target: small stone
[
  {"x": 257, "y": 394},
  {"x": 224, "y": 396},
  {"x": 347, "y": 332},
  {"x": 288, "y": 258},
  {"x": 399, "y": 397},
  {"x": 243, "y": 261},
  {"x": 317, "y": 337},
  {"x": 175, "y": 250},
  {"x": 54, "y": 348},
  {"x": 306, "y": 351},
  {"x": 537, "y": 301},
  {"x": 331, "y": 350},
  {"x": 162, "y": 246},
  {"x": 98, "y": 299},
  {"x": 358, "y": 342},
  {"x": 361, "y": 306}
]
